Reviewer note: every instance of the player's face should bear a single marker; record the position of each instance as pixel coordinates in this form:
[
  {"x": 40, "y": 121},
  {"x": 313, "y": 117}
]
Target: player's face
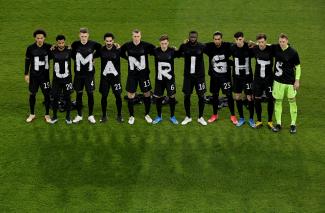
[
  {"x": 136, "y": 37},
  {"x": 109, "y": 41},
  {"x": 261, "y": 43},
  {"x": 164, "y": 44},
  {"x": 240, "y": 41},
  {"x": 39, "y": 38},
  {"x": 193, "y": 37},
  {"x": 84, "y": 37},
  {"x": 283, "y": 42},
  {"x": 60, "y": 44},
  {"x": 217, "y": 40}
]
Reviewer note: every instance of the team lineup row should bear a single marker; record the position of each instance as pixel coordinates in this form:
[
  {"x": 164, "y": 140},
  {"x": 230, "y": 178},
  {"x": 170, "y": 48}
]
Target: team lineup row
[{"x": 277, "y": 73}]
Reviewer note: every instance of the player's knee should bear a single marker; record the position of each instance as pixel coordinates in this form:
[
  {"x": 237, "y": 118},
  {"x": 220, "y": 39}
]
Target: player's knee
[
  {"x": 131, "y": 95},
  {"x": 172, "y": 96},
  {"x": 237, "y": 96},
  {"x": 292, "y": 100},
  {"x": 249, "y": 98},
  {"x": 147, "y": 94}
]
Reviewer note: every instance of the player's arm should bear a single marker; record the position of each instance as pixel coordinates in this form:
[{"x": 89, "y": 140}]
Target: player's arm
[
  {"x": 181, "y": 50},
  {"x": 27, "y": 65},
  {"x": 296, "y": 85},
  {"x": 151, "y": 49},
  {"x": 123, "y": 52},
  {"x": 74, "y": 50},
  {"x": 98, "y": 47}
]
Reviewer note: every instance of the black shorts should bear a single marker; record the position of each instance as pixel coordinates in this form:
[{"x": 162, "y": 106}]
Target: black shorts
[
  {"x": 142, "y": 79},
  {"x": 190, "y": 82},
  {"x": 107, "y": 82},
  {"x": 261, "y": 85},
  {"x": 223, "y": 83},
  {"x": 242, "y": 84},
  {"x": 87, "y": 81},
  {"x": 62, "y": 86},
  {"x": 42, "y": 81},
  {"x": 161, "y": 85}
]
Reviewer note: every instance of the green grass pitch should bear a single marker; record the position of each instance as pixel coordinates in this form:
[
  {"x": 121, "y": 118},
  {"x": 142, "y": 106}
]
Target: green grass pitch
[{"x": 163, "y": 168}]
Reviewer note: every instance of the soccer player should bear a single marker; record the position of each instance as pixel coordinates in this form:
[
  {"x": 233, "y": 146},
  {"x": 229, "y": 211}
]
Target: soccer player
[
  {"x": 136, "y": 53},
  {"x": 62, "y": 79},
  {"x": 263, "y": 78},
  {"x": 110, "y": 76},
  {"x": 194, "y": 75},
  {"x": 287, "y": 73},
  {"x": 220, "y": 73},
  {"x": 165, "y": 77},
  {"x": 242, "y": 77},
  {"x": 37, "y": 73},
  {"x": 83, "y": 54}
]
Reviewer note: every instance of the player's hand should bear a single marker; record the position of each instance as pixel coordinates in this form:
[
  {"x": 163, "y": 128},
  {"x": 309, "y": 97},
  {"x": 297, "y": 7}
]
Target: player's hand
[
  {"x": 251, "y": 44},
  {"x": 296, "y": 84},
  {"x": 27, "y": 79},
  {"x": 117, "y": 45},
  {"x": 186, "y": 41},
  {"x": 53, "y": 47}
]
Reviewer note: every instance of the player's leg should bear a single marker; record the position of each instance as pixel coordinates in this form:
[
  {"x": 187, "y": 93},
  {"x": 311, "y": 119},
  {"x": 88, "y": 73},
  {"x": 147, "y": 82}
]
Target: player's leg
[
  {"x": 188, "y": 86},
  {"x": 33, "y": 88},
  {"x": 200, "y": 91},
  {"x": 158, "y": 92},
  {"x": 117, "y": 90},
  {"x": 278, "y": 94},
  {"x": 238, "y": 88},
  {"x": 56, "y": 91},
  {"x": 104, "y": 90},
  {"x": 46, "y": 89},
  {"x": 258, "y": 88},
  {"x": 250, "y": 99},
  {"x": 270, "y": 104},
  {"x": 214, "y": 89},
  {"x": 293, "y": 108},
  {"x": 131, "y": 87},
  {"x": 145, "y": 86},
  {"x": 226, "y": 87},
  {"x": 67, "y": 90},
  {"x": 78, "y": 85},
  {"x": 171, "y": 91},
  {"x": 90, "y": 88}
]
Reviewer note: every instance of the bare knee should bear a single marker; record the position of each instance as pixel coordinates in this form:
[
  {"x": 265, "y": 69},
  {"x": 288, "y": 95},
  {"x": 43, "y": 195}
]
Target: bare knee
[{"x": 131, "y": 95}]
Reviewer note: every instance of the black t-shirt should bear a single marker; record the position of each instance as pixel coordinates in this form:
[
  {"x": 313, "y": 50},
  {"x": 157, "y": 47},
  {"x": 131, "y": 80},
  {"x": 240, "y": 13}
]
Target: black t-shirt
[
  {"x": 264, "y": 62},
  {"x": 193, "y": 59},
  {"x": 285, "y": 62},
  {"x": 61, "y": 63},
  {"x": 164, "y": 63},
  {"x": 110, "y": 61},
  {"x": 242, "y": 61},
  {"x": 218, "y": 59},
  {"x": 83, "y": 54},
  {"x": 137, "y": 56},
  {"x": 37, "y": 59}
]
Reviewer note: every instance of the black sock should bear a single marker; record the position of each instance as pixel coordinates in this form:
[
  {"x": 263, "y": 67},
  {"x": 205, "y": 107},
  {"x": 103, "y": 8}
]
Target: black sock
[
  {"x": 79, "y": 103},
  {"x": 32, "y": 101},
  {"x": 215, "y": 103},
  {"x": 187, "y": 105},
  {"x": 68, "y": 106},
  {"x": 47, "y": 103},
  {"x": 231, "y": 104},
  {"x": 258, "y": 108},
  {"x": 270, "y": 108},
  {"x": 147, "y": 103},
  {"x": 104, "y": 105},
  {"x": 55, "y": 107},
  {"x": 159, "y": 105},
  {"x": 90, "y": 103},
  {"x": 118, "y": 102},
  {"x": 239, "y": 104},
  {"x": 130, "y": 107},
  {"x": 201, "y": 106},
  {"x": 172, "y": 103},
  {"x": 251, "y": 109}
]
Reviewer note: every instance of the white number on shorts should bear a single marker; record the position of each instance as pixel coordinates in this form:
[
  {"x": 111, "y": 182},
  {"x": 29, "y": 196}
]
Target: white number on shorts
[
  {"x": 172, "y": 87},
  {"x": 146, "y": 83},
  {"x": 92, "y": 83},
  {"x": 117, "y": 86},
  {"x": 46, "y": 85},
  {"x": 226, "y": 85},
  {"x": 69, "y": 86},
  {"x": 270, "y": 89},
  {"x": 248, "y": 86},
  {"x": 202, "y": 86}
]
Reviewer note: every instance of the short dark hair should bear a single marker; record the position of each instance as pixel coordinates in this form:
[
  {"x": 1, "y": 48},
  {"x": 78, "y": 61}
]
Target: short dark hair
[
  {"x": 238, "y": 34},
  {"x": 83, "y": 30},
  {"x": 260, "y": 36},
  {"x": 136, "y": 31},
  {"x": 60, "y": 37},
  {"x": 108, "y": 35},
  {"x": 282, "y": 35},
  {"x": 163, "y": 37},
  {"x": 193, "y": 32},
  {"x": 39, "y": 31},
  {"x": 217, "y": 33}
]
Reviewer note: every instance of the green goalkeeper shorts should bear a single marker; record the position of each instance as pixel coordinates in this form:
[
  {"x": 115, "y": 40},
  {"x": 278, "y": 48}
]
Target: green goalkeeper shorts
[{"x": 280, "y": 90}]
